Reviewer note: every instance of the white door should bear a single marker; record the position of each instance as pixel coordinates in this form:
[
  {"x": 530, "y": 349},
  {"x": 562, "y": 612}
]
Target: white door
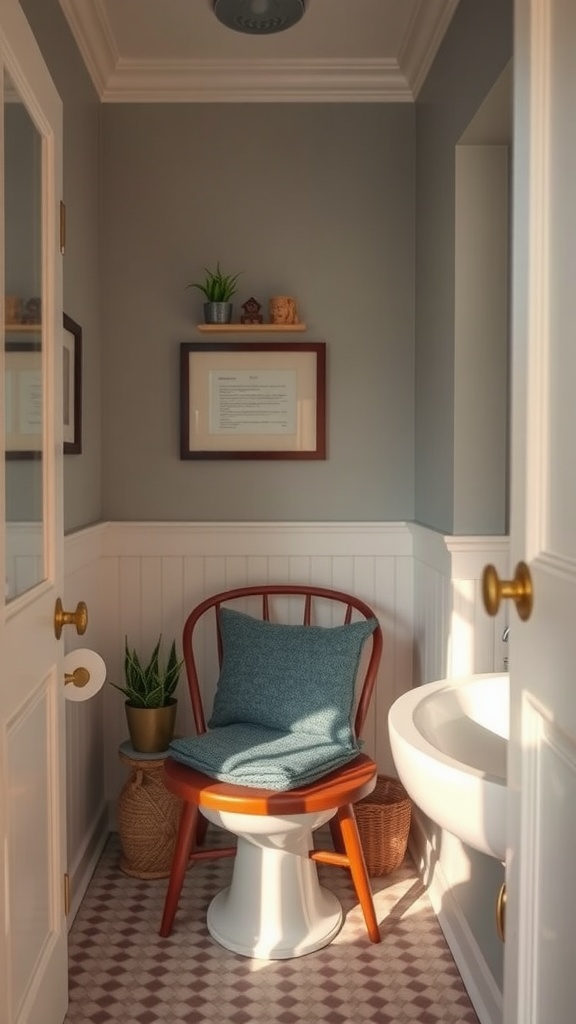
[
  {"x": 33, "y": 936},
  {"x": 540, "y": 960}
]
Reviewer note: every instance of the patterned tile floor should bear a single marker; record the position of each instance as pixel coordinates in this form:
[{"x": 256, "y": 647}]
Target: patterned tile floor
[{"x": 121, "y": 970}]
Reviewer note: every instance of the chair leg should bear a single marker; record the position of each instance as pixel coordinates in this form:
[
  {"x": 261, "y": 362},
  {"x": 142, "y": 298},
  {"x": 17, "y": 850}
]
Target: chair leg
[
  {"x": 184, "y": 840},
  {"x": 358, "y": 870},
  {"x": 201, "y": 829},
  {"x": 336, "y": 833}
]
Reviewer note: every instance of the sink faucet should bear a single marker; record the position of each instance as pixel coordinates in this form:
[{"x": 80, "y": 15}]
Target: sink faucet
[{"x": 505, "y": 635}]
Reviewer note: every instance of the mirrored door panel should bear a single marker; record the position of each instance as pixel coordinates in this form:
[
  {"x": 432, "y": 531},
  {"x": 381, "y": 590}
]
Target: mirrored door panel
[{"x": 23, "y": 348}]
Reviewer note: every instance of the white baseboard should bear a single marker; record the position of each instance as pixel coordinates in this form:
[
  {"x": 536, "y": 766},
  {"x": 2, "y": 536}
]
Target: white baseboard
[
  {"x": 85, "y": 863},
  {"x": 484, "y": 993}
]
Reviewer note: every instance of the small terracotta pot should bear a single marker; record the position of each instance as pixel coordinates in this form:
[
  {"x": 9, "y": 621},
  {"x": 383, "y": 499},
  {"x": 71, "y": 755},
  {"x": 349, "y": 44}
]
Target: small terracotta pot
[{"x": 13, "y": 309}]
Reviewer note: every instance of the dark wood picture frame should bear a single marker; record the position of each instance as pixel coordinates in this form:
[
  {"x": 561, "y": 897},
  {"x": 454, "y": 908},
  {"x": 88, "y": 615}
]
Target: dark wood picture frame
[
  {"x": 253, "y": 400},
  {"x": 72, "y": 386}
]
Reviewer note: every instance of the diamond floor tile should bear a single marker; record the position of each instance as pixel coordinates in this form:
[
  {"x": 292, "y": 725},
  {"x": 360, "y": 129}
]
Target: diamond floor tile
[{"x": 121, "y": 970}]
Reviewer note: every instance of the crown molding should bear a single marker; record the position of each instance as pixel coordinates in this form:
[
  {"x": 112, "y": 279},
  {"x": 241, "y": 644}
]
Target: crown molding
[
  {"x": 256, "y": 81},
  {"x": 94, "y": 38},
  {"x": 423, "y": 38},
  {"x": 386, "y": 80}
]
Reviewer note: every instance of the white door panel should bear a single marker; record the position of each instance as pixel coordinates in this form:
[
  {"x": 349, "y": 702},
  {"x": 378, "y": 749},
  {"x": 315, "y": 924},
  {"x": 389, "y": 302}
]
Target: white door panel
[
  {"x": 540, "y": 980},
  {"x": 33, "y": 940}
]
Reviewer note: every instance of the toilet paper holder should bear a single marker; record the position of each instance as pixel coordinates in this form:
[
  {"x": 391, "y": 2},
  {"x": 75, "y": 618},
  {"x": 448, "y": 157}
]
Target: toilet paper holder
[
  {"x": 79, "y": 677},
  {"x": 84, "y": 674}
]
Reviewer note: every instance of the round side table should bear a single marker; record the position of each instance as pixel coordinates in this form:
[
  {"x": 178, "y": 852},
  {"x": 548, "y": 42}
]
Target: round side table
[{"x": 148, "y": 816}]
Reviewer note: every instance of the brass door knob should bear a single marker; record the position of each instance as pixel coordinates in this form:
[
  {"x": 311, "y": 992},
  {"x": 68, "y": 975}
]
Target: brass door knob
[
  {"x": 501, "y": 913},
  {"x": 519, "y": 589},
  {"x": 78, "y": 618}
]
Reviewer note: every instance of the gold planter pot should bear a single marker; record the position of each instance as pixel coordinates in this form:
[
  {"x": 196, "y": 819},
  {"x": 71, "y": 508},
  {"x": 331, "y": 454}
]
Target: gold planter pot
[{"x": 151, "y": 729}]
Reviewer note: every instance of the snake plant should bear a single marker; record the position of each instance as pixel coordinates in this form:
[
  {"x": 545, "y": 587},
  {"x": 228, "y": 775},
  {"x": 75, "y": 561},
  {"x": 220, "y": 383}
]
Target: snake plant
[{"x": 151, "y": 685}]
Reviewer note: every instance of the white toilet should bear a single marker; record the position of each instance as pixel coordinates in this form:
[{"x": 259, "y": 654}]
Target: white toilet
[{"x": 274, "y": 908}]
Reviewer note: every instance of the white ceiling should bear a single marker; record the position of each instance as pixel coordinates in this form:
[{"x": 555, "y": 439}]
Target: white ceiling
[{"x": 177, "y": 51}]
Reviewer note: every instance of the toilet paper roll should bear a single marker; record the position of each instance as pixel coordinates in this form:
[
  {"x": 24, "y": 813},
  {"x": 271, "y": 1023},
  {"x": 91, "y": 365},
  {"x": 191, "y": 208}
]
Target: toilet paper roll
[{"x": 84, "y": 674}]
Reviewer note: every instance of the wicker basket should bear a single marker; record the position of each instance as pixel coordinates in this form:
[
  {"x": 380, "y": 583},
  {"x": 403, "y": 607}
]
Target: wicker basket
[
  {"x": 384, "y": 823},
  {"x": 148, "y": 819}
]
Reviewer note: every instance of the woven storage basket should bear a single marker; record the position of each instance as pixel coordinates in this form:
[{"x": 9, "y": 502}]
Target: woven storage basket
[
  {"x": 148, "y": 819},
  {"x": 384, "y": 823}
]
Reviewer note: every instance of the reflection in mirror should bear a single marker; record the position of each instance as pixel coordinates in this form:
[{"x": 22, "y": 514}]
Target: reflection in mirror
[{"x": 23, "y": 385}]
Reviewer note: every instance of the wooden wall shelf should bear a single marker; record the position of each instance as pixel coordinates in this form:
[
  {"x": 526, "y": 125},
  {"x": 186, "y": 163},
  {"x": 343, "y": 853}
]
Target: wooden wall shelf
[
  {"x": 251, "y": 328},
  {"x": 22, "y": 328}
]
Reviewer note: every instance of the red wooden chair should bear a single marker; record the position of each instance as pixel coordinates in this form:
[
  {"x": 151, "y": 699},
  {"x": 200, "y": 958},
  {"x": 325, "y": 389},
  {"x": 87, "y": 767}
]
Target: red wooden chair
[{"x": 274, "y": 907}]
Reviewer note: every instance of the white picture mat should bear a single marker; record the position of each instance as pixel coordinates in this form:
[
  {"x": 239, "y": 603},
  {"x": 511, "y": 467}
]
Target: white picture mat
[
  {"x": 291, "y": 371},
  {"x": 23, "y": 400}
]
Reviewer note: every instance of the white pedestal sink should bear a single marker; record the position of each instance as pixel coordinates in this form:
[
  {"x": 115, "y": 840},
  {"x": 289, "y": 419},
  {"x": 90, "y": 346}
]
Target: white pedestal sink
[{"x": 449, "y": 742}]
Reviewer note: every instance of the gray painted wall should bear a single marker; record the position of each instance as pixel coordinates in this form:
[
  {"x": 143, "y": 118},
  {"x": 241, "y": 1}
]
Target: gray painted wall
[
  {"x": 311, "y": 200},
  {"x": 82, "y": 473},
  {"x": 315, "y": 200},
  {"x": 481, "y": 340},
  {"x": 476, "y": 49},
  {"x": 22, "y": 240}
]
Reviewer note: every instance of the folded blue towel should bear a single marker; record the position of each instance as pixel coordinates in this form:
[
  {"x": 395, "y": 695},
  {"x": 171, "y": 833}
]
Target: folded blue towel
[{"x": 251, "y": 755}]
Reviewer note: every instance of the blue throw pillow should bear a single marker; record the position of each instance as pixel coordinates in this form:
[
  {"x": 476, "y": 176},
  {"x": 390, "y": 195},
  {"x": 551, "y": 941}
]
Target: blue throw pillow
[{"x": 290, "y": 678}]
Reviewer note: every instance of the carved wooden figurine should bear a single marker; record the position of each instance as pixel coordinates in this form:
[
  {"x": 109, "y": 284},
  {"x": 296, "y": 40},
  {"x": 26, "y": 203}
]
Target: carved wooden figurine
[
  {"x": 251, "y": 314},
  {"x": 282, "y": 309}
]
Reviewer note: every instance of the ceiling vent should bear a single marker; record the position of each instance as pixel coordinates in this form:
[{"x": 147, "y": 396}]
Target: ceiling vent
[{"x": 259, "y": 17}]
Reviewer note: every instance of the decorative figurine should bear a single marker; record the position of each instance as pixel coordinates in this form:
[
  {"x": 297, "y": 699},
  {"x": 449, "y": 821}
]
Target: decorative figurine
[
  {"x": 282, "y": 309},
  {"x": 32, "y": 311},
  {"x": 251, "y": 314}
]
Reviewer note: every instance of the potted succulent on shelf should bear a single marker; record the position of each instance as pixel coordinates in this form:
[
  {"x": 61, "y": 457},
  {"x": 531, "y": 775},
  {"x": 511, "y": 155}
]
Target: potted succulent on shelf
[
  {"x": 218, "y": 289},
  {"x": 150, "y": 702}
]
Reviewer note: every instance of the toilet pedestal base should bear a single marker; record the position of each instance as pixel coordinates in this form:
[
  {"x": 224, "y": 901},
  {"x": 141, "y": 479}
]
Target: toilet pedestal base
[{"x": 274, "y": 908}]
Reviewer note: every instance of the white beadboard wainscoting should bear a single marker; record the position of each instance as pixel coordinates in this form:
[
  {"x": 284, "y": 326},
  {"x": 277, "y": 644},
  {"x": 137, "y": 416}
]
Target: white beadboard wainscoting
[
  {"x": 453, "y": 635},
  {"x": 155, "y": 573},
  {"x": 24, "y": 557},
  {"x": 142, "y": 579},
  {"x": 86, "y": 797}
]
